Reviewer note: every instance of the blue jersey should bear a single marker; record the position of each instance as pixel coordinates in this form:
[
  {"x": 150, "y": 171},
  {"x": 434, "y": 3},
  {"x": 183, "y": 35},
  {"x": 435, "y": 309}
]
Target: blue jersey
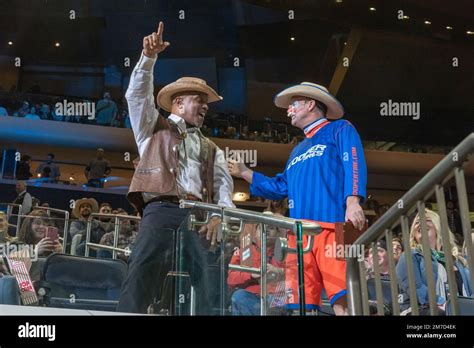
[{"x": 322, "y": 171}]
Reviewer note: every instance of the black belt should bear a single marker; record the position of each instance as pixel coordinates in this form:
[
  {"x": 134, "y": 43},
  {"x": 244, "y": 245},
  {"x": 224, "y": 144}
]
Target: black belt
[
  {"x": 168, "y": 199},
  {"x": 173, "y": 199}
]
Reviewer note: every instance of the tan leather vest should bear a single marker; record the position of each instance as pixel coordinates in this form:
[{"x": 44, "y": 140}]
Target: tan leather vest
[{"x": 158, "y": 168}]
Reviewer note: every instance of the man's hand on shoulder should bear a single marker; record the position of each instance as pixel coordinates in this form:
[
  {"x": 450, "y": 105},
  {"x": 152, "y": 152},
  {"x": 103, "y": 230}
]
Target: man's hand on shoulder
[{"x": 239, "y": 170}]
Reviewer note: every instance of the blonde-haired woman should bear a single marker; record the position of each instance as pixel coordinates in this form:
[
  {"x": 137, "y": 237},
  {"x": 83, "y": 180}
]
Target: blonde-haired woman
[
  {"x": 4, "y": 236},
  {"x": 5, "y": 239},
  {"x": 438, "y": 257}
]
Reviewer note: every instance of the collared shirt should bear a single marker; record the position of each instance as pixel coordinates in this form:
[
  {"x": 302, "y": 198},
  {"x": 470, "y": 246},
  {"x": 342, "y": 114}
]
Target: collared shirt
[
  {"x": 311, "y": 127},
  {"x": 322, "y": 171},
  {"x": 143, "y": 117}
]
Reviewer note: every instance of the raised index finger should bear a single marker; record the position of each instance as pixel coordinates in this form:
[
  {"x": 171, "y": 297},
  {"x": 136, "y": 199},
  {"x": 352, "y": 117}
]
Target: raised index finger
[{"x": 160, "y": 30}]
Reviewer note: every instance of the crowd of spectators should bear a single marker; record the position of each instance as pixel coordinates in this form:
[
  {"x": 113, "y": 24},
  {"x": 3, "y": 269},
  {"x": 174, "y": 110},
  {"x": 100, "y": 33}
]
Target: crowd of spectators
[
  {"x": 95, "y": 172},
  {"x": 43, "y": 107},
  {"x": 102, "y": 228},
  {"x": 244, "y": 288},
  {"x": 456, "y": 249},
  {"x": 36, "y": 219},
  {"x": 114, "y": 113}
]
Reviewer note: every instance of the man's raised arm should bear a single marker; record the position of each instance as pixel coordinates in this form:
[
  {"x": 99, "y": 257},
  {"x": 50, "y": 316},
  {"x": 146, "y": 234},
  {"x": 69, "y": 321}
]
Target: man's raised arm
[{"x": 141, "y": 102}]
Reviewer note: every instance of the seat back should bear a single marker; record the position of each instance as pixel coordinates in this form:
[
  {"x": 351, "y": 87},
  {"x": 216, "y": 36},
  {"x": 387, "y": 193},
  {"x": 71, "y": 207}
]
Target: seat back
[
  {"x": 36, "y": 269},
  {"x": 466, "y": 306},
  {"x": 9, "y": 291},
  {"x": 81, "y": 282}
]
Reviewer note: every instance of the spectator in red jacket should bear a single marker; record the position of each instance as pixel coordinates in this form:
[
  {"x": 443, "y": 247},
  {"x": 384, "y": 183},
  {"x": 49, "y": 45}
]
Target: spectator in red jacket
[{"x": 246, "y": 286}]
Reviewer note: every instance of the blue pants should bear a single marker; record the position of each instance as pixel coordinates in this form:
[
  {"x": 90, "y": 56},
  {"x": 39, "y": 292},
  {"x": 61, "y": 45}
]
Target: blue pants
[
  {"x": 245, "y": 303},
  {"x": 81, "y": 250},
  {"x": 104, "y": 254}
]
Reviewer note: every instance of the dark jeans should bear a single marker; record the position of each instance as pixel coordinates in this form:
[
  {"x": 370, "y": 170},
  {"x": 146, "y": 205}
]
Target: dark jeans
[
  {"x": 104, "y": 254},
  {"x": 152, "y": 256},
  {"x": 81, "y": 250},
  {"x": 245, "y": 303}
]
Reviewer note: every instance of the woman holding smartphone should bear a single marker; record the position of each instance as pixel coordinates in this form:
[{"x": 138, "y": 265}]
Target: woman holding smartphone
[{"x": 36, "y": 229}]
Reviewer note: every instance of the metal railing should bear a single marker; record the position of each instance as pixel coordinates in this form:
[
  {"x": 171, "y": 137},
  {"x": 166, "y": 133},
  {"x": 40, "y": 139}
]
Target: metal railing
[
  {"x": 113, "y": 248},
  {"x": 10, "y": 207},
  {"x": 230, "y": 215},
  {"x": 397, "y": 217}
]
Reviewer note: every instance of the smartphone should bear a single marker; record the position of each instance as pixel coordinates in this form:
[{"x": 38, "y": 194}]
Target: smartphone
[{"x": 52, "y": 233}]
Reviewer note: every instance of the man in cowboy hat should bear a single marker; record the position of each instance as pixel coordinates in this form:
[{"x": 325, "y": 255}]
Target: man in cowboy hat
[
  {"x": 176, "y": 162},
  {"x": 324, "y": 179},
  {"x": 83, "y": 208}
]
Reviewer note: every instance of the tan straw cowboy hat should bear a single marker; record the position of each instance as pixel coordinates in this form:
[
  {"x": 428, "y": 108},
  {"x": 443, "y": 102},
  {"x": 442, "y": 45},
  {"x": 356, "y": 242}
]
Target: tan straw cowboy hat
[
  {"x": 76, "y": 212},
  {"x": 185, "y": 84},
  {"x": 312, "y": 91}
]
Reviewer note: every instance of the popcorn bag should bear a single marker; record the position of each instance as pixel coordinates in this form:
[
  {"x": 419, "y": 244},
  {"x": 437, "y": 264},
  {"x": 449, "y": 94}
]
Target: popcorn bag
[{"x": 19, "y": 268}]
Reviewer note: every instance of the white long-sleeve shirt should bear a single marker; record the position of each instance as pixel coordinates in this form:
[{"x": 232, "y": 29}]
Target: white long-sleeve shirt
[
  {"x": 143, "y": 117},
  {"x": 26, "y": 204}
]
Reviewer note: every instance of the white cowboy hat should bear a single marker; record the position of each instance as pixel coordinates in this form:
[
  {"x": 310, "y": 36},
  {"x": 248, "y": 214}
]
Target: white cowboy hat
[
  {"x": 313, "y": 91},
  {"x": 76, "y": 212},
  {"x": 185, "y": 84}
]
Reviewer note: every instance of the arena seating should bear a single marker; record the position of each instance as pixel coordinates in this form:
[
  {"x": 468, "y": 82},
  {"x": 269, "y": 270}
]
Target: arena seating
[{"x": 81, "y": 283}]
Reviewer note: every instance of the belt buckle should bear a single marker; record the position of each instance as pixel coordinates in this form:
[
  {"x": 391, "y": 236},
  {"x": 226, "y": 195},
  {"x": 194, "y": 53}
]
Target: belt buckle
[{"x": 190, "y": 197}]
